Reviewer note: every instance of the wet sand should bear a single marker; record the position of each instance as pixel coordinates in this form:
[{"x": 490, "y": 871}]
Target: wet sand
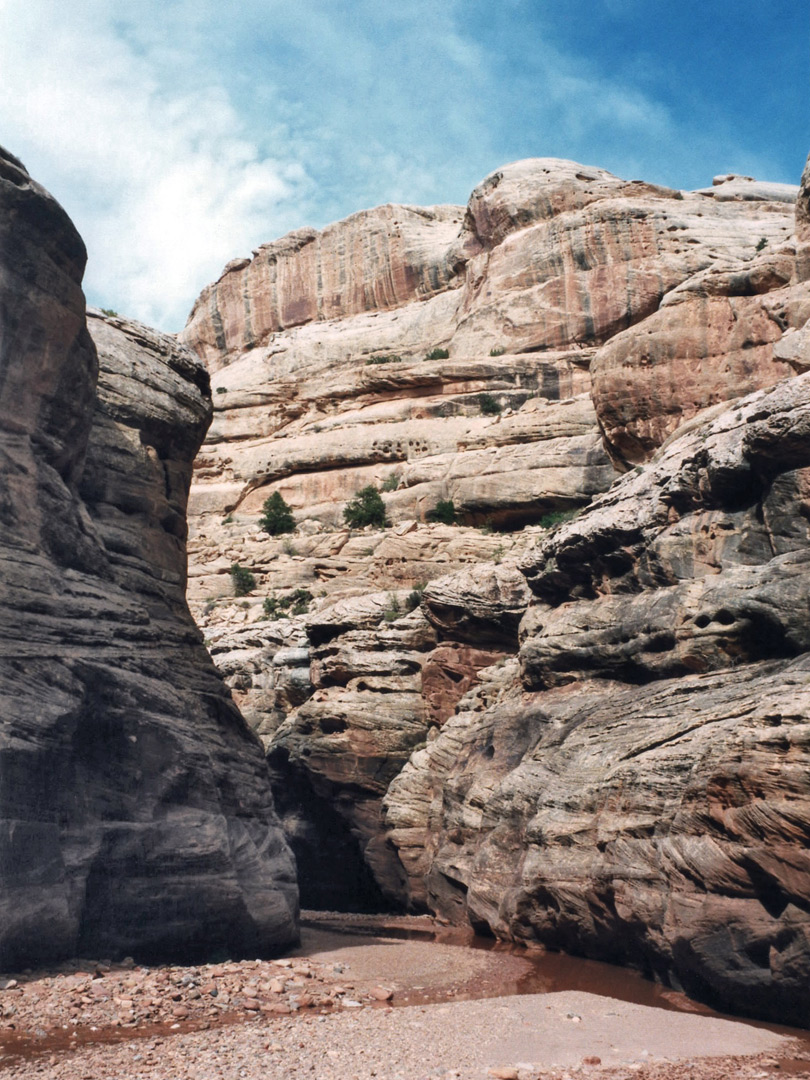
[{"x": 374, "y": 1005}]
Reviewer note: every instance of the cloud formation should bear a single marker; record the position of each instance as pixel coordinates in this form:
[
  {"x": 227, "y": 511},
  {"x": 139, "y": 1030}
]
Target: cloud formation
[
  {"x": 182, "y": 133},
  {"x": 158, "y": 170}
]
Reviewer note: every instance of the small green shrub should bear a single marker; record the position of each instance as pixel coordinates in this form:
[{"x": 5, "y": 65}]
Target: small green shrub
[
  {"x": 414, "y": 598},
  {"x": 366, "y": 508},
  {"x": 488, "y": 405},
  {"x": 276, "y": 516},
  {"x": 498, "y": 553},
  {"x": 385, "y": 358},
  {"x": 297, "y": 603},
  {"x": 271, "y": 607},
  {"x": 288, "y": 547},
  {"x": 109, "y": 312},
  {"x": 391, "y": 482},
  {"x": 438, "y": 354},
  {"x": 222, "y": 390},
  {"x": 242, "y": 579},
  {"x": 393, "y": 611},
  {"x": 499, "y": 350},
  {"x": 228, "y": 519},
  {"x": 763, "y": 243},
  {"x": 555, "y": 517},
  {"x": 443, "y": 512}
]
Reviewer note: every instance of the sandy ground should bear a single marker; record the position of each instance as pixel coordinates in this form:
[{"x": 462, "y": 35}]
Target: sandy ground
[{"x": 326, "y": 1013}]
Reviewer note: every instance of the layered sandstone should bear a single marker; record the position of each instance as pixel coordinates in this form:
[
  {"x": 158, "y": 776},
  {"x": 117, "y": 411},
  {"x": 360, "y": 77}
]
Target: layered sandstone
[
  {"x": 617, "y": 792},
  {"x": 135, "y": 816},
  {"x": 641, "y": 795}
]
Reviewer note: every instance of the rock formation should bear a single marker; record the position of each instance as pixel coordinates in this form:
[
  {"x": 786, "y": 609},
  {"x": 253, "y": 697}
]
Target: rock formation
[
  {"x": 633, "y": 786},
  {"x": 135, "y": 815}
]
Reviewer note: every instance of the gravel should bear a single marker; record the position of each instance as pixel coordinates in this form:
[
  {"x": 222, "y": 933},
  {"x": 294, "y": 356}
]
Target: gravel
[{"x": 328, "y": 1015}]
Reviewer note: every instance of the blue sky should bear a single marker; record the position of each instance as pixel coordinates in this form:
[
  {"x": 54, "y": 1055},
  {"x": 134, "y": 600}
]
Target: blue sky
[{"x": 182, "y": 133}]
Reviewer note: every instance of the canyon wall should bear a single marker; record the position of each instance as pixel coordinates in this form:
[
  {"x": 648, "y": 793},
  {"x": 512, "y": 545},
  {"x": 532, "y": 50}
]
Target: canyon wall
[
  {"x": 587, "y": 733},
  {"x": 135, "y": 816}
]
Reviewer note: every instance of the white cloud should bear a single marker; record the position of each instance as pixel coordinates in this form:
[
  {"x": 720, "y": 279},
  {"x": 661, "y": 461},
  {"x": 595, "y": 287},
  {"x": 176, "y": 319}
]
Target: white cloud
[
  {"x": 182, "y": 133},
  {"x": 152, "y": 162}
]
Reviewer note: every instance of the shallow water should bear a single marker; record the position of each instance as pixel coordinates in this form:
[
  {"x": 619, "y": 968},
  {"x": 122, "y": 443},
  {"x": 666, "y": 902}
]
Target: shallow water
[
  {"x": 549, "y": 972},
  {"x": 543, "y": 973}
]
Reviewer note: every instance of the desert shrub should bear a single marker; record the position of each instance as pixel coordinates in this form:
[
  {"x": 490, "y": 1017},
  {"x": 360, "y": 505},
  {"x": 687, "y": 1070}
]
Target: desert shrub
[
  {"x": 109, "y": 312},
  {"x": 414, "y": 597},
  {"x": 385, "y": 358},
  {"x": 366, "y": 508},
  {"x": 438, "y": 354},
  {"x": 242, "y": 579},
  {"x": 394, "y": 610},
  {"x": 499, "y": 350},
  {"x": 297, "y": 603},
  {"x": 271, "y": 607},
  {"x": 555, "y": 517},
  {"x": 391, "y": 482},
  {"x": 222, "y": 390},
  {"x": 276, "y": 516},
  {"x": 443, "y": 512},
  {"x": 489, "y": 405},
  {"x": 763, "y": 243},
  {"x": 228, "y": 519}
]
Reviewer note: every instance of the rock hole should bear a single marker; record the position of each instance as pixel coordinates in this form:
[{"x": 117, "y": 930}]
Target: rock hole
[{"x": 331, "y": 725}]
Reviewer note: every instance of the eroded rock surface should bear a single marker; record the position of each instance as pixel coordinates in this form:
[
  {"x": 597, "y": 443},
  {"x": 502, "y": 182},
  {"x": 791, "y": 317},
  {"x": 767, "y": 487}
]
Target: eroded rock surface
[
  {"x": 641, "y": 795},
  {"x": 611, "y": 350},
  {"x": 135, "y": 814}
]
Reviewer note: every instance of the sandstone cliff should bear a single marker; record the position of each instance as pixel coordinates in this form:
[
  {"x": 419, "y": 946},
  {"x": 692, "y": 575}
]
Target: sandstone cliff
[
  {"x": 135, "y": 815},
  {"x": 570, "y": 342}
]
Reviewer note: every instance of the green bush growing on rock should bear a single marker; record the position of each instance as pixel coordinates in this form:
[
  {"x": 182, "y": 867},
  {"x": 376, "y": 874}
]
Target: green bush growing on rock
[
  {"x": 276, "y": 516},
  {"x": 385, "y": 358},
  {"x": 438, "y": 354},
  {"x": 489, "y": 405},
  {"x": 222, "y": 390},
  {"x": 555, "y": 517},
  {"x": 393, "y": 611},
  {"x": 111, "y": 313},
  {"x": 297, "y": 603},
  {"x": 271, "y": 607},
  {"x": 414, "y": 598},
  {"x": 444, "y": 512},
  {"x": 366, "y": 508},
  {"x": 499, "y": 350},
  {"x": 243, "y": 581},
  {"x": 763, "y": 243},
  {"x": 391, "y": 482}
]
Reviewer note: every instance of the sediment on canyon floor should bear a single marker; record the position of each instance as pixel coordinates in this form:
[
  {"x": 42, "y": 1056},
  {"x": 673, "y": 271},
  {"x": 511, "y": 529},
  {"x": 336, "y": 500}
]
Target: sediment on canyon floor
[{"x": 587, "y": 733}]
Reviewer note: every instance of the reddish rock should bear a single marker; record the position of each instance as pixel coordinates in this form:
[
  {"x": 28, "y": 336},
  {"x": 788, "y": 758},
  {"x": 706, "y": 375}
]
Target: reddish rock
[{"x": 449, "y": 672}]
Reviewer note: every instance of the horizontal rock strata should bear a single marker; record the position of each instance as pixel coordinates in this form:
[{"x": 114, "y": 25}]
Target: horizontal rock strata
[
  {"x": 572, "y": 343},
  {"x": 135, "y": 816},
  {"x": 648, "y": 802}
]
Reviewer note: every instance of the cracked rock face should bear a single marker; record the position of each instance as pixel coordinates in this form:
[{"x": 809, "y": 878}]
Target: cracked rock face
[
  {"x": 592, "y": 737},
  {"x": 642, "y": 794},
  {"x": 135, "y": 816}
]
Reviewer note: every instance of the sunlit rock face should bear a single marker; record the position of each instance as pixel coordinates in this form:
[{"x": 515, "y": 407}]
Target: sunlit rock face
[
  {"x": 590, "y": 734},
  {"x": 135, "y": 815}
]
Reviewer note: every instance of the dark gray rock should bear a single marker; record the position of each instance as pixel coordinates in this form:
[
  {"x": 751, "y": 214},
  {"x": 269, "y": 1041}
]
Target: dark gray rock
[{"x": 135, "y": 814}]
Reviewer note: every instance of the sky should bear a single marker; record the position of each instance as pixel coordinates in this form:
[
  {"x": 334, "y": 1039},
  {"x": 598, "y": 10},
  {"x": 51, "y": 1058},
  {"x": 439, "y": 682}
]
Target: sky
[{"x": 180, "y": 134}]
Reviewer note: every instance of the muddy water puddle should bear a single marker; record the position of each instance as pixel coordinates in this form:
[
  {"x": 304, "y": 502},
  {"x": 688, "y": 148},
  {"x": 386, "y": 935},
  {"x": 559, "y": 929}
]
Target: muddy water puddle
[
  {"x": 485, "y": 969},
  {"x": 542, "y": 973}
]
